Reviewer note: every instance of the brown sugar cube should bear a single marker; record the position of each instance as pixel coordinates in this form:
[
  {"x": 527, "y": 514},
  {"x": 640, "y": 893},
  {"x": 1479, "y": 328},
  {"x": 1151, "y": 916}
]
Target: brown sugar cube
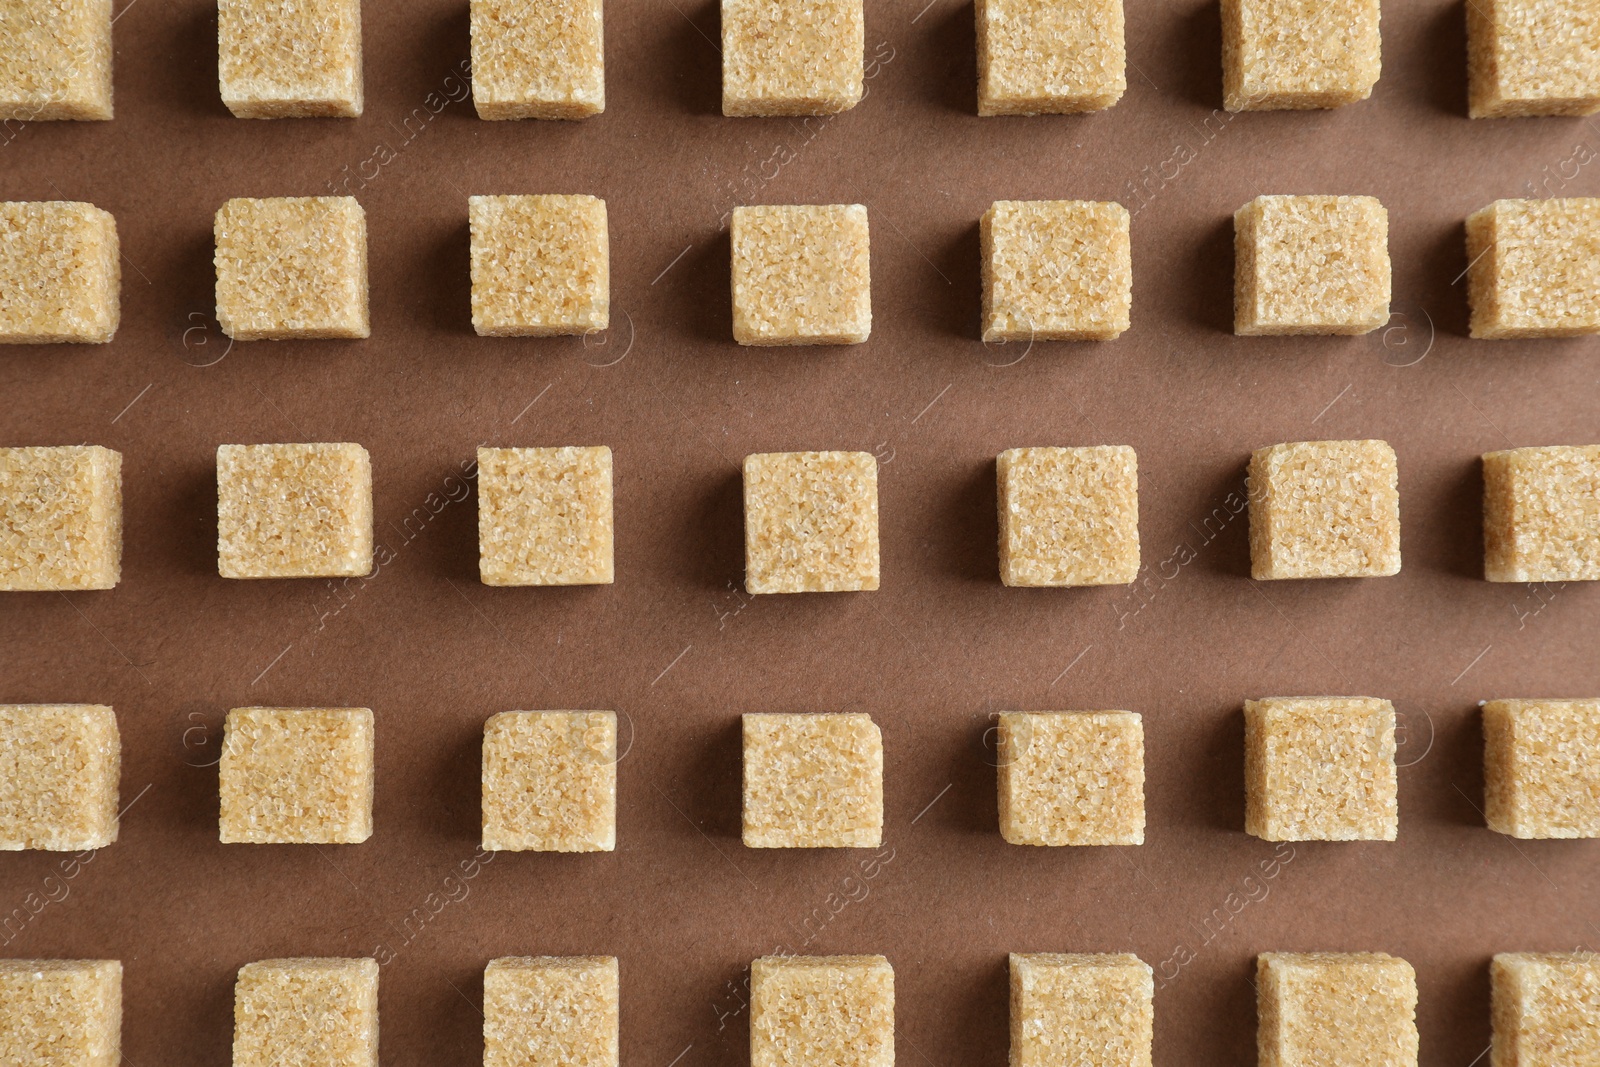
[
  {"x": 60, "y": 518},
  {"x": 545, "y": 1010},
  {"x": 306, "y": 1013},
  {"x": 1546, "y": 1009},
  {"x": 1320, "y": 769},
  {"x": 545, "y": 516},
  {"x": 1533, "y": 268},
  {"x": 1541, "y": 767},
  {"x": 810, "y": 522},
  {"x": 792, "y": 57},
  {"x": 1310, "y": 265},
  {"x": 1041, "y": 58},
  {"x": 1324, "y": 509},
  {"x": 1294, "y": 55},
  {"x": 60, "y": 273},
  {"x": 280, "y": 59},
  {"x": 1335, "y": 1009},
  {"x": 550, "y": 781},
  {"x": 1055, "y": 270},
  {"x": 1541, "y": 514},
  {"x": 1071, "y": 778},
  {"x": 60, "y": 766},
  {"x": 541, "y": 265},
  {"x": 801, "y": 275},
  {"x": 821, "y": 1011},
  {"x": 56, "y": 63},
  {"x": 1068, "y": 516},
  {"x": 1532, "y": 57},
  {"x": 1081, "y": 1010},
  {"x": 292, "y": 267},
  {"x": 61, "y": 1013},
  {"x": 294, "y": 511},
  {"x": 812, "y": 781},
  {"x": 297, "y": 776},
  {"x": 538, "y": 61}
]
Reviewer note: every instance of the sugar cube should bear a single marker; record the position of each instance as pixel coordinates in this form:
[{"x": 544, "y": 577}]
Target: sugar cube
[
  {"x": 1324, "y": 509},
  {"x": 1533, "y": 268},
  {"x": 801, "y": 275},
  {"x": 1546, "y": 1009},
  {"x": 1541, "y": 514},
  {"x": 61, "y": 1013},
  {"x": 60, "y": 766},
  {"x": 306, "y": 1013},
  {"x": 60, "y": 518},
  {"x": 1320, "y": 769},
  {"x": 297, "y": 776},
  {"x": 538, "y": 61},
  {"x": 1068, "y": 516},
  {"x": 792, "y": 57},
  {"x": 1071, "y": 778},
  {"x": 812, "y": 781},
  {"x": 1310, "y": 265},
  {"x": 1081, "y": 1010},
  {"x": 546, "y": 1010},
  {"x": 292, "y": 267},
  {"x": 1335, "y": 1009},
  {"x": 1295, "y": 55},
  {"x": 57, "y": 60},
  {"x": 1532, "y": 57},
  {"x": 1055, "y": 270},
  {"x": 60, "y": 273},
  {"x": 810, "y": 522},
  {"x": 541, "y": 265},
  {"x": 1541, "y": 767},
  {"x": 821, "y": 1011},
  {"x": 550, "y": 781},
  {"x": 1042, "y": 58},
  {"x": 294, "y": 511},
  {"x": 545, "y": 516},
  {"x": 280, "y": 59}
]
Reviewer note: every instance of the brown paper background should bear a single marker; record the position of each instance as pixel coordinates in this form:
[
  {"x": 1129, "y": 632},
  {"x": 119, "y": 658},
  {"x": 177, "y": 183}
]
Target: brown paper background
[{"x": 675, "y": 646}]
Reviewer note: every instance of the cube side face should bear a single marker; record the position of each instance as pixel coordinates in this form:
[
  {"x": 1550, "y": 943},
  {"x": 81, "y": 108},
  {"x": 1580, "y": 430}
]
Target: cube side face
[
  {"x": 821, "y": 1011},
  {"x": 1071, "y": 778},
  {"x": 1038, "y": 58},
  {"x": 1542, "y": 768},
  {"x": 1545, "y": 1007},
  {"x": 294, "y": 511},
  {"x": 1081, "y": 1009},
  {"x": 1324, "y": 509},
  {"x": 1299, "y": 54},
  {"x": 1314, "y": 265},
  {"x": 60, "y": 518},
  {"x": 810, "y": 522},
  {"x": 292, "y": 268},
  {"x": 1532, "y": 57},
  {"x": 812, "y": 781},
  {"x": 1331, "y": 1008},
  {"x": 545, "y": 516},
  {"x": 541, "y": 265},
  {"x": 550, "y": 781},
  {"x": 1534, "y": 267},
  {"x": 299, "y": 59},
  {"x": 785, "y": 58},
  {"x": 550, "y": 1009},
  {"x": 801, "y": 275},
  {"x": 1321, "y": 769},
  {"x": 60, "y": 768},
  {"x": 538, "y": 61},
  {"x": 1056, "y": 270},
  {"x": 306, "y": 1012},
  {"x": 61, "y": 1013},
  {"x": 1068, "y": 516},
  {"x": 297, "y": 776},
  {"x": 1541, "y": 514},
  {"x": 57, "y": 61},
  {"x": 60, "y": 273}
]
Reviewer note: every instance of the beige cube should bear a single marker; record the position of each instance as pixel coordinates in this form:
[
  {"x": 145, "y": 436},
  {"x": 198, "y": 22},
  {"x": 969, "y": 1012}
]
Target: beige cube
[
  {"x": 545, "y": 516},
  {"x": 1533, "y": 268},
  {"x": 306, "y": 1013},
  {"x": 1068, "y": 516},
  {"x": 1320, "y": 769},
  {"x": 539, "y": 1011},
  {"x": 1541, "y": 767},
  {"x": 801, "y": 275},
  {"x": 550, "y": 781},
  {"x": 56, "y": 63},
  {"x": 810, "y": 522},
  {"x": 541, "y": 265},
  {"x": 292, "y": 267},
  {"x": 294, "y": 511},
  {"x": 1324, "y": 509},
  {"x": 1037, "y": 57},
  {"x": 60, "y": 518},
  {"x": 1293, "y": 55},
  {"x": 821, "y": 1011},
  {"x": 1335, "y": 1009},
  {"x": 1532, "y": 57},
  {"x": 60, "y": 767},
  {"x": 792, "y": 57},
  {"x": 1546, "y": 1009},
  {"x": 61, "y": 1013},
  {"x": 1071, "y": 777},
  {"x": 60, "y": 272},
  {"x": 1055, "y": 270},
  {"x": 812, "y": 781},
  {"x": 538, "y": 61},
  {"x": 279, "y": 59},
  {"x": 1310, "y": 265},
  {"x": 1541, "y": 514},
  {"x": 297, "y": 776},
  {"x": 1081, "y": 1010}
]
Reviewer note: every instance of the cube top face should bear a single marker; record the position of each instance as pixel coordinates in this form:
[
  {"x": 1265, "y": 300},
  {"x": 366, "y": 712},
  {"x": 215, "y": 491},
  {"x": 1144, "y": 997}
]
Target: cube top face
[
  {"x": 1081, "y": 1009},
  {"x": 1311, "y": 265},
  {"x": 821, "y": 1011},
  {"x": 1533, "y": 57},
  {"x": 541, "y": 265},
  {"x": 792, "y": 57},
  {"x": 57, "y": 60},
  {"x": 1324, "y": 509},
  {"x": 1036, "y": 57},
  {"x": 61, "y": 1013},
  {"x": 306, "y": 1013},
  {"x": 550, "y": 781},
  {"x": 801, "y": 275},
  {"x": 1296, "y": 55},
  {"x": 1071, "y": 778},
  {"x": 1546, "y": 1009},
  {"x": 812, "y": 781},
  {"x": 280, "y": 59},
  {"x": 60, "y": 518},
  {"x": 1055, "y": 270},
  {"x": 1533, "y": 267},
  {"x": 538, "y": 61},
  {"x": 60, "y": 273},
  {"x": 297, "y": 776},
  {"x": 60, "y": 767},
  {"x": 1068, "y": 516},
  {"x": 545, "y": 516},
  {"x": 292, "y": 267},
  {"x": 1335, "y": 1009},
  {"x": 1541, "y": 514},
  {"x": 294, "y": 511},
  {"x": 550, "y": 1010},
  {"x": 810, "y": 522},
  {"x": 1320, "y": 769},
  {"x": 1542, "y": 767}
]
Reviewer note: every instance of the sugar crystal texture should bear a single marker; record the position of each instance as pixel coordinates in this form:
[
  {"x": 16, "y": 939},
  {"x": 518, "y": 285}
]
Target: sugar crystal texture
[
  {"x": 821, "y": 1011},
  {"x": 60, "y": 767},
  {"x": 280, "y": 59},
  {"x": 297, "y": 776},
  {"x": 1068, "y": 516},
  {"x": 61, "y": 1013},
  {"x": 60, "y": 518},
  {"x": 1533, "y": 268},
  {"x": 538, "y": 61},
  {"x": 541, "y": 265},
  {"x": 1320, "y": 769},
  {"x": 1335, "y": 1009},
  {"x": 1533, "y": 57},
  {"x": 812, "y": 781},
  {"x": 56, "y": 63},
  {"x": 1310, "y": 265},
  {"x": 1324, "y": 509},
  {"x": 1298, "y": 54},
  {"x": 541, "y": 1011},
  {"x": 792, "y": 57},
  {"x": 1541, "y": 514},
  {"x": 306, "y": 1013},
  {"x": 550, "y": 781},
  {"x": 801, "y": 275},
  {"x": 810, "y": 522},
  {"x": 1071, "y": 777},
  {"x": 1546, "y": 1009},
  {"x": 1038, "y": 57},
  {"x": 1081, "y": 1010},
  {"x": 294, "y": 511},
  {"x": 1541, "y": 767},
  {"x": 1055, "y": 270},
  {"x": 60, "y": 272},
  {"x": 545, "y": 516},
  {"x": 292, "y": 267}
]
